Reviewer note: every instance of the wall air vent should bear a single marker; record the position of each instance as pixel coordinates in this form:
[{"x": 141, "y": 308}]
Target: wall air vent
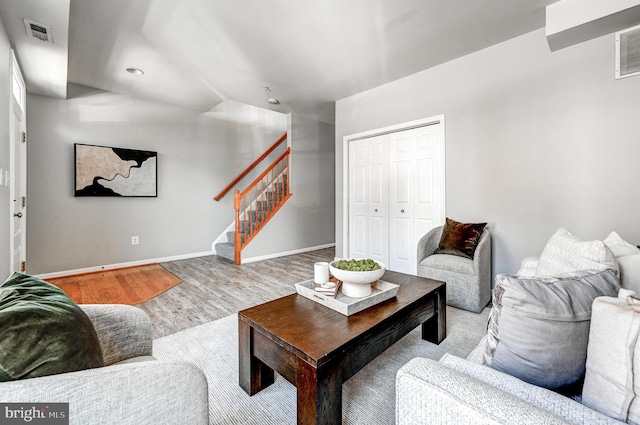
[
  {"x": 39, "y": 31},
  {"x": 628, "y": 52}
]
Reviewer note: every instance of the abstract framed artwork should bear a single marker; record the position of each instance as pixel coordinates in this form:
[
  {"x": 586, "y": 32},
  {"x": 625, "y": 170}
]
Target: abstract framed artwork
[{"x": 108, "y": 171}]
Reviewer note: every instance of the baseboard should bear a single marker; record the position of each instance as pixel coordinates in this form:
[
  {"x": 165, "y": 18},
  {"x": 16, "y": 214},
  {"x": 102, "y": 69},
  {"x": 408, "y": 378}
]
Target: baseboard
[
  {"x": 284, "y": 254},
  {"x": 123, "y": 265},
  {"x": 174, "y": 258}
]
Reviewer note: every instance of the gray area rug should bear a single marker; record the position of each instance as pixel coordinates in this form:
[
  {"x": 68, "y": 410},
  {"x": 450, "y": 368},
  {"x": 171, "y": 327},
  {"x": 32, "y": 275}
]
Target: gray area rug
[{"x": 368, "y": 397}]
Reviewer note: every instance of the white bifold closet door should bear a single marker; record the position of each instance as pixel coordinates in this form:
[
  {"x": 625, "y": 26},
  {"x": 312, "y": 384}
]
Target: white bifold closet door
[
  {"x": 396, "y": 194},
  {"x": 369, "y": 199}
]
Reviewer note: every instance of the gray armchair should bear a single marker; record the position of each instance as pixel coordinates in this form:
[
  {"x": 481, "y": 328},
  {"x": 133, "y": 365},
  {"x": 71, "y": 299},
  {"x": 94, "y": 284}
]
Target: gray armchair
[
  {"x": 468, "y": 281},
  {"x": 132, "y": 388}
]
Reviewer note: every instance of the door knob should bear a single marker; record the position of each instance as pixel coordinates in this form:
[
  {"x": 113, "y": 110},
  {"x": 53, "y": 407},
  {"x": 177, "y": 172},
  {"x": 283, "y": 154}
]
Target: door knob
[
  {"x": 19, "y": 215},
  {"x": 402, "y": 211},
  {"x": 376, "y": 210}
]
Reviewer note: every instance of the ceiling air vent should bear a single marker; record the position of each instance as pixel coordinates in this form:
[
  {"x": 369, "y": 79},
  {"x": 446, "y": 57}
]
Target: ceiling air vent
[
  {"x": 628, "y": 52},
  {"x": 39, "y": 31}
]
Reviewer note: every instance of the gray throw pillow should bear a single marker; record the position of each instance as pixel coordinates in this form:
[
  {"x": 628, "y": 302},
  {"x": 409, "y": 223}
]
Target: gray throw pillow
[
  {"x": 43, "y": 331},
  {"x": 539, "y": 328}
]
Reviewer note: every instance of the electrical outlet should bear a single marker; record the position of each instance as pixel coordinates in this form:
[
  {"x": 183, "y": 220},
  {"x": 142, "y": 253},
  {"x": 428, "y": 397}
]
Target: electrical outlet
[{"x": 135, "y": 240}]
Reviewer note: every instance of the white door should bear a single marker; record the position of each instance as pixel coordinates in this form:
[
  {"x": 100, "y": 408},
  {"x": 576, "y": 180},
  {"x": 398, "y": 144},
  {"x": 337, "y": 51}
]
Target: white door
[
  {"x": 18, "y": 169},
  {"x": 401, "y": 180},
  {"x": 416, "y": 192},
  {"x": 368, "y": 199},
  {"x": 396, "y": 194}
]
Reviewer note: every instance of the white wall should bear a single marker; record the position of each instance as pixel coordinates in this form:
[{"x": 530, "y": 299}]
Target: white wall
[
  {"x": 534, "y": 140},
  {"x": 5, "y": 202},
  {"x": 309, "y": 213},
  {"x": 198, "y": 155}
]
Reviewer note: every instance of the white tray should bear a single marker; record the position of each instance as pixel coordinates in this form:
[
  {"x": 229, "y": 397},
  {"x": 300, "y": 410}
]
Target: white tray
[{"x": 381, "y": 291}]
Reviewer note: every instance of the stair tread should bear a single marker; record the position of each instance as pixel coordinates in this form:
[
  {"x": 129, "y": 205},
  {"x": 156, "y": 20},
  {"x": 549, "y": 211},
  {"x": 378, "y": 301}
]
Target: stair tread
[{"x": 225, "y": 250}]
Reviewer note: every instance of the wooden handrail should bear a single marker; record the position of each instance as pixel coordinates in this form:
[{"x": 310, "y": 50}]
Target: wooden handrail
[
  {"x": 265, "y": 172},
  {"x": 251, "y": 167}
]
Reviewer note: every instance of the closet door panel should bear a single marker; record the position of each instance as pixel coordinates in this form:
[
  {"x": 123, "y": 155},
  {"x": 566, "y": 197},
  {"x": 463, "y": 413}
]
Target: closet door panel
[
  {"x": 401, "y": 194},
  {"x": 379, "y": 243},
  {"x": 429, "y": 180},
  {"x": 368, "y": 199},
  {"x": 359, "y": 243}
]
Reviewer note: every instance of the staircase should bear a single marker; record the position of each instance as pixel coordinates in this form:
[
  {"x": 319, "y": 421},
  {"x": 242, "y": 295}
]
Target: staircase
[
  {"x": 257, "y": 204},
  {"x": 252, "y": 219}
]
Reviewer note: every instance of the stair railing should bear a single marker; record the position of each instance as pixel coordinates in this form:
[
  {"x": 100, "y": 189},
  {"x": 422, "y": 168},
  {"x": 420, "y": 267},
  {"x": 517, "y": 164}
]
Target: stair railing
[
  {"x": 255, "y": 206},
  {"x": 251, "y": 167}
]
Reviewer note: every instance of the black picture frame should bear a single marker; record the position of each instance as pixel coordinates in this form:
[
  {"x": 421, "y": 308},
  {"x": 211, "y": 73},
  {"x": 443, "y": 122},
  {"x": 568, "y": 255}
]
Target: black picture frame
[{"x": 105, "y": 171}]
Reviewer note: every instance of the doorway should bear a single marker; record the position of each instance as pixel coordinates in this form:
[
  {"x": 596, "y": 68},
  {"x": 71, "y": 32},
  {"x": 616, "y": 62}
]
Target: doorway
[
  {"x": 18, "y": 169},
  {"x": 395, "y": 191}
]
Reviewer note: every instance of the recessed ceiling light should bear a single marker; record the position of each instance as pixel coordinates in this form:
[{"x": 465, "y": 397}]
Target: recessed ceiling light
[{"x": 135, "y": 71}]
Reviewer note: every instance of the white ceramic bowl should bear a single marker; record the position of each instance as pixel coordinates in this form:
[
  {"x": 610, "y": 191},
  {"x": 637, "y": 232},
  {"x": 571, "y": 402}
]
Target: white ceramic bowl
[{"x": 356, "y": 284}]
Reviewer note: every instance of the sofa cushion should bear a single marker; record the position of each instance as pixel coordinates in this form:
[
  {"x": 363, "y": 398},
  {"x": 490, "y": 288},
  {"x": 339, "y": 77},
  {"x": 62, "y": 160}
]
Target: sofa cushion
[
  {"x": 460, "y": 238},
  {"x": 450, "y": 263},
  {"x": 428, "y": 392},
  {"x": 539, "y": 328},
  {"x": 612, "y": 378},
  {"x": 566, "y": 253},
  {"x": 43, "y": 331},
  {"x": 628, "y": 258},
  {"x": 557, "y": 404}
]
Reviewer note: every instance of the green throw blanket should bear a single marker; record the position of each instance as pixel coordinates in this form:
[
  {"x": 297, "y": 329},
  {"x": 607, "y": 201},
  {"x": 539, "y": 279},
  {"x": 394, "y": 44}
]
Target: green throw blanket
[{"x": 42, "y": 331}]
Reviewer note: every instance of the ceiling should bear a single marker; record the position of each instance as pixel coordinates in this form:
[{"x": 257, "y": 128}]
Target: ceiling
[{"x": 197, "y": 53}]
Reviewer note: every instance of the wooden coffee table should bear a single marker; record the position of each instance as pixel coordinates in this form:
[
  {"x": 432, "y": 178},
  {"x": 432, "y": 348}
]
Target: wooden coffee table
[{"x": 317, "y": 349}]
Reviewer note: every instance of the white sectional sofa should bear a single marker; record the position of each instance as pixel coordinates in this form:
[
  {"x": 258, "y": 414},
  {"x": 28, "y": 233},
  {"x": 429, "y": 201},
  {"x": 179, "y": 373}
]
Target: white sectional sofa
[{"x": 470, "y": 391}]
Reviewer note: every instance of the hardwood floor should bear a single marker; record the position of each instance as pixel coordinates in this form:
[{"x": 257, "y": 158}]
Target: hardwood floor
[
  {"x": 132, "y": 285},
  {"x": 213, "y": 288}
]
